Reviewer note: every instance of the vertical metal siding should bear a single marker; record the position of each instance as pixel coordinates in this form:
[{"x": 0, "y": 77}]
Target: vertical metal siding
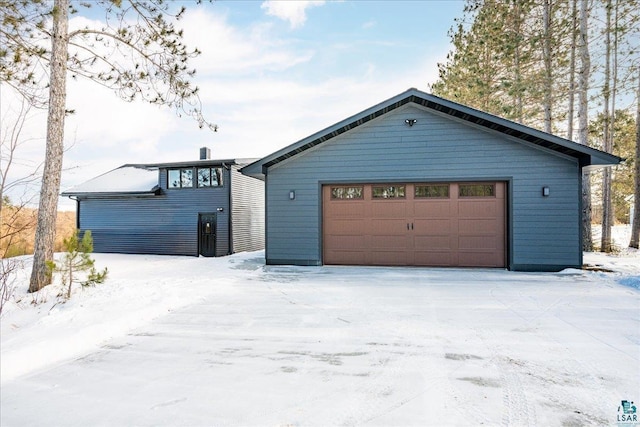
[
  {"x": 544, "y": 230},
  {"x": 247, "y": 212},
  {"x": 166, "y": 224}
]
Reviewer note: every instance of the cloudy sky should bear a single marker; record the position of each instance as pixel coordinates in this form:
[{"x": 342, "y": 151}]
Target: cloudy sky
[{"x": 270, "y": 73}]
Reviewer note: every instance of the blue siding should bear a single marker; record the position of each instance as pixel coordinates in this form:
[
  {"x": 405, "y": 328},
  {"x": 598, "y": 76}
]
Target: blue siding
[
  {"x": 166, "y": 224},
  {"x": 543, "y": 231}
]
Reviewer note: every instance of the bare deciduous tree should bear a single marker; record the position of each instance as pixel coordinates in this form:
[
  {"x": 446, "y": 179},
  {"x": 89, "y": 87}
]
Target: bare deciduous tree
[
  {"x": 137, "y": 52},
  {"x": 15, "y": 217}
]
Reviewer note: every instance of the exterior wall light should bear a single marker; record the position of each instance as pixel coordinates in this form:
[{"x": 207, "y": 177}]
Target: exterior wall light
[
  {"x": 292, "y": 194},
  {"x": 410, "y": 122},
  {"x": 545, "y": 191}
]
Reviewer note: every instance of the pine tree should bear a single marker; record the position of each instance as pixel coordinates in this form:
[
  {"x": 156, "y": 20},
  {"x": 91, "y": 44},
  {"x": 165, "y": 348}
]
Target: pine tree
[
  {"x": 622, "y": 175},
  {"x": 620, "y": 44},
  {"x": 137, "y": 52},
  {"x": 528, "y": 61},
  {"x": 77, "y": 262},
  {"x": 496, "y": 64},
  {"x": 607, "y": 132}
]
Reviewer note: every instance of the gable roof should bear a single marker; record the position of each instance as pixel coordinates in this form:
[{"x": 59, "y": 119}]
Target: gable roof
[
  {"x": 137, "y": 180},
  {"x": 588, "y": 157}
]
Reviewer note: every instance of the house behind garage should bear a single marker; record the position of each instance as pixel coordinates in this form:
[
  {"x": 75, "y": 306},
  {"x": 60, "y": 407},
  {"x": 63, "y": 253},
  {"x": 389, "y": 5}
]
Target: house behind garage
[
  {"x": 420, "y": 180},
  {"x": 202, "y": 207}
]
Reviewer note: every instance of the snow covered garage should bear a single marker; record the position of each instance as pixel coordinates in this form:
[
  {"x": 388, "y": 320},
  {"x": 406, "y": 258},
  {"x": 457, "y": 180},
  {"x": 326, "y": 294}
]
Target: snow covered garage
[{"x": 420, "y": 180}]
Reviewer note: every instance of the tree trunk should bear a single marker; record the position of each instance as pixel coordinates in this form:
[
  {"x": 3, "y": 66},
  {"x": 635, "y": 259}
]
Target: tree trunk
[
  {"x": 548, "y": 72},
  {"x": 517, "y": 63},
  {"x": 635, "y": 228},
  {"x": 583, "y": 120},
  {"x": 587, "y": 239},
  {"x": 48, "y": 208},
  {"x": 607, "y": 215},
  {"x": 572, "y": 69},
  {"x": 606, "y": 244},
  {"x": 70, "y": 278}
]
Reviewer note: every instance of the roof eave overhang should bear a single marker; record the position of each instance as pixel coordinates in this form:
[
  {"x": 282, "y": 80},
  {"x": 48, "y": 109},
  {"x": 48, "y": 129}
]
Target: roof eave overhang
[
  {"x": 112, "y": 194},
  {"x": 600, "y": 161},
  {"x": 588, "y": 157},
  {"x": 202, "y": 162}
]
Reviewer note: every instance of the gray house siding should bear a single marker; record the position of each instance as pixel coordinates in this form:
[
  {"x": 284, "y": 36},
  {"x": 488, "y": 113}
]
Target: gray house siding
[
  {"x": 247, "y": 215},
  {"x": 542, "y": 231},
  {"x": 163, "y": 224}
]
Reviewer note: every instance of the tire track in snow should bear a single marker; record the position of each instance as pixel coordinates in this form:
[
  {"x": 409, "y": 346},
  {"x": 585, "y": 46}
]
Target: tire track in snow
[
  {"x": 554, "y": 383},
  {"x": 380, "y": 394},
  {"x": 518, "y": 410},
  {"x": 437, "y": 384},
  {"x": 377, "y": 394}
]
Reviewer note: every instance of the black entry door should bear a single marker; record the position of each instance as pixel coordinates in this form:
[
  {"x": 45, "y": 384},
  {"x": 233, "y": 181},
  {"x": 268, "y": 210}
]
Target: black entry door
[{"x": 207, "y": 233}]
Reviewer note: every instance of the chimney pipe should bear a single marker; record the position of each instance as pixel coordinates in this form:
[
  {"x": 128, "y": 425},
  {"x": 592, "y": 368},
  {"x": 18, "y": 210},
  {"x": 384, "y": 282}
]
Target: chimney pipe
[{"x": 205, "y": 153}]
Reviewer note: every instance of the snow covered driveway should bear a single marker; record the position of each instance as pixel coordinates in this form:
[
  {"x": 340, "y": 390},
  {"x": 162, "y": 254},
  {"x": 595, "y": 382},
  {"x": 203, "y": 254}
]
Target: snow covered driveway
[{"x": 280, "y": 346}]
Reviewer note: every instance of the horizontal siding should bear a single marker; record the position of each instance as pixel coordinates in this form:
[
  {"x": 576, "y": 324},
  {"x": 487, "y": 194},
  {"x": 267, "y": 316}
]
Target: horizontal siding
[
  {"x": 247, "y": 224},
  {"x": 437, "y": 148},
  {"x": 166, "y": 224}
]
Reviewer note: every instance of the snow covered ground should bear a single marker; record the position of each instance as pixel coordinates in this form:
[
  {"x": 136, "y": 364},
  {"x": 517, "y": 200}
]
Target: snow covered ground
[{"x": 229, "y": 341}]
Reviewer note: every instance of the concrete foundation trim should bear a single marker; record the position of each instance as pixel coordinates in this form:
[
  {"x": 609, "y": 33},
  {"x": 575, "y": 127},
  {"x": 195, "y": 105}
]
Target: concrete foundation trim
[
  {"x": 552, "y": 268},
  {"x": 300, "y": 262}
]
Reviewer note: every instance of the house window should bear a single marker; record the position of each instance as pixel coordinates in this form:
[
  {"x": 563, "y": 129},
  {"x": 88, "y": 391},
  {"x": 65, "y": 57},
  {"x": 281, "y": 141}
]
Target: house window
[
  {"x": 389, "y": 192},
  {"x": 209, "y": 177},
  {"x": 346, "y": 192},
  {"x": 440, "y": 191},
  {"x": 477, "y": 190},
  {"x": 180, "y": 178}
]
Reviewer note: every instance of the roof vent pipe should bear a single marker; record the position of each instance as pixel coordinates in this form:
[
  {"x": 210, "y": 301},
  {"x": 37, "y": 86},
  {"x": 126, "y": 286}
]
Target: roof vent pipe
[{"x": 205, "y": 153}]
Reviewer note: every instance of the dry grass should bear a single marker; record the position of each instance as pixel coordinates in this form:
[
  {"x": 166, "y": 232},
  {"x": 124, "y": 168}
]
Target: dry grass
[{"x": 19, "y": 226}]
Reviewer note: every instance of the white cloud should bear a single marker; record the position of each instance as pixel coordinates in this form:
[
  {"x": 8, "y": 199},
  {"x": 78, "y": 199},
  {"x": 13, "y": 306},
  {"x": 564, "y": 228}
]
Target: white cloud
[
  {"x": 369, "y": 24},
  {"x": 230, "y": 51},
  {"x": 246, "y": 88},
  {"x": 103, "y": 118},
  {"x": 293, "y": 11},
  {"x": 263, "y": 90},
  {"x": 260, "y": 115}
]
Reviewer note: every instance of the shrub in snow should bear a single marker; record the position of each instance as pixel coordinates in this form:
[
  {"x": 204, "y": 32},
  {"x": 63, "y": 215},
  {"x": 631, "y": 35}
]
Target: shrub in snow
[
  {"x": 77, "y": 263},
  {"x": 8, "y": 269}
]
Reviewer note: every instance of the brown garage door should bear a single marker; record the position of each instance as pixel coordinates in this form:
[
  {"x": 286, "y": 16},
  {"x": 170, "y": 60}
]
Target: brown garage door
[{"x": 422, "y": 224}]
